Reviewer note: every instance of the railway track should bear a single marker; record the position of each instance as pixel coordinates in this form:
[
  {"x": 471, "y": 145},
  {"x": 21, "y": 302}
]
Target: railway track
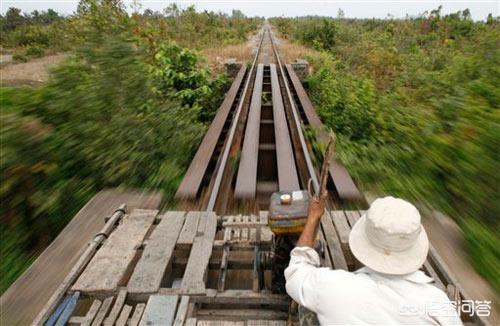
[
  {"x": 256, "y": 144},
  {"x": 214, "y": 262}
]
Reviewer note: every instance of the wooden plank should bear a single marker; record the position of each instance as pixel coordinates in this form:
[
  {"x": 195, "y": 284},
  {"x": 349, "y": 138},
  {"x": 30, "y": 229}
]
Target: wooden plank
[
  {"x": 220, "y": 323},
  {"x": 107, "y": 268},
  {"x": 157, "y": 255},
  {"x": 93, "y": 310},
  {"x": 228, "y": 234},
  {"x": 266, "y": 323},
  {"x": 122, "y": 320},
  {"x": 76, "y": 320},
  {"x": 189, "y": 229},
  {"x": 228, "y": 231},
  {"x": 191, "y": 322},
  {"x": 117, "y": 307},
  {"x": 237, "y": 231},
  {"x": 68, "y": 310},
  {"x": 252, "y": 233},
  {"x": 352, "y": 217},
  {"x": 247, "y": 297},
  {"x": 432, "y": 273},
  {"x": 106, "y": 304},
  {"x": 196, "y": 269},
  {"x": 193, "y": 178},
  {"x": 182, "y": 311},
  {"x": 244, "y": 231},
  {"x": 333, "y": 242},
  {"x": 343, "y": 229},
  {"x": 223, "y": 268},
  {"x": 242, "y": 314},
  {"x": 287, "y": 171},
  {"x": 246, "y": 180},
  {"x": 136, "y": 316},
  {"x": 160, "y": 310}
]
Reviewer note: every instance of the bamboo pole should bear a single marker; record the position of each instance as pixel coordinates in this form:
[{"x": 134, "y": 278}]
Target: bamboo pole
[{"x": 79, "y": 266}]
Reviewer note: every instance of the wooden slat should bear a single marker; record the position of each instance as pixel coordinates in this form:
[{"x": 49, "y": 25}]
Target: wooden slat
[
  {"x": 76, "y": 320},
  {"x": 117, "y": 307},
  {"x": 89, "y": 317},
  {"x": 136, "y": 316},
  {"x": 219, "y": 323},
  {"x": 247, "y": 297},
  {"x": 223, "y": 268},
  {"x": 432, "y": 273},
  {"x": 333, "y": 242},
  {"x": 244, "y": 231},
  {"x": 182, "y": 310},
  {"x": 237, "y": 231},
  {"x": 157, "y": 255},
  {"x": 352, "y": 217},
  {"x": 266, "y": 323},
  {"x": 343, "y": 228},
  {"x": 241, "y": 314},
  {"x": 252, "y": 231},
  {"x": 189, "y": 229},
  {"x": 160, "y": 310},
  {"x": 345, "y": 186},
  {"x": 101, "y": 314},
  {"x": 266, "y": 235},
  {"x": 246, "y": 181},
  {"x": 196, "y": 269},
  {"x": 106, "y": 270},
  {"x": 193, "y": 178},
  {"x": 287, "y": 171},
  {"x": 123, "y": 318},
  {"x": 191, "y": 322}
]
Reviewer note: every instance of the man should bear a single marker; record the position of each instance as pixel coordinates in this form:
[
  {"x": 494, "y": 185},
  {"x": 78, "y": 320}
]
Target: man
[{"x": 392, "y": 244}]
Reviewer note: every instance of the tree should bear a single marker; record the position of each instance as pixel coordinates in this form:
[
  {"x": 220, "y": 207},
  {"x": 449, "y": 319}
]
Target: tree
[{"x": 13, "y": 19}]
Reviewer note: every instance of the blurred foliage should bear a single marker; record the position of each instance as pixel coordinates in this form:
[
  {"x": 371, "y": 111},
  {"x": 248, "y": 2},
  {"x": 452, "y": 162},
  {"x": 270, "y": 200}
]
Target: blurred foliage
[
  {"x": 127, "y": 108},
  {"x": 187, "y": 27},
  {"x": 415, "y": 103},
  {"x": 42, "y": 29}
]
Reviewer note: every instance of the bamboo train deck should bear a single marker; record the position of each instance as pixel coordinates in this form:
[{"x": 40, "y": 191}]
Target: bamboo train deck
[{"x": 195, "y": 268}]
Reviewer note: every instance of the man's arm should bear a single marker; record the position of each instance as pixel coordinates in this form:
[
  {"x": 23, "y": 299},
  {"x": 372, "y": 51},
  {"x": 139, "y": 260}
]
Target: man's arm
[
  {"x": 308, "y": 235},
  {"x": 304, "y": 260}
]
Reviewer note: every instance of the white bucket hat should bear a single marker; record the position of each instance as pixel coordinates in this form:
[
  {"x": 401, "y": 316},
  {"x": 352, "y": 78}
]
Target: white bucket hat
[{"x": 389, "y": 238}]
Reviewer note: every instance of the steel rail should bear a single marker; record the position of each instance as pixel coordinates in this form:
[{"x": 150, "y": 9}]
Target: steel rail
[
  {"x": 296, "y": 119},
  {"x": 222, "y": 167}
]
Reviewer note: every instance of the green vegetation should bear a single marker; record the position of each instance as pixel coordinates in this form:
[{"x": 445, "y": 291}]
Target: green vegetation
[
  {"x": 29, "y": 34},
  {"x": 126, "y": 109},
  {"x": 415, "y": 103}
]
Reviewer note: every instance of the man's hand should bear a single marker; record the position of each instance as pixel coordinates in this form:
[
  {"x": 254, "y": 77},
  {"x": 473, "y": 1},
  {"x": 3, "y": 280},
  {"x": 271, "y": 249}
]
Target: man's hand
[{"x": 316, "y": 208}]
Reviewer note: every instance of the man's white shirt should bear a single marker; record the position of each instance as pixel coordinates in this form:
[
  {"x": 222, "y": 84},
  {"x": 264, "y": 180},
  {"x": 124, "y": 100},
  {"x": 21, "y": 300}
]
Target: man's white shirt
[{"x": 339, "y": 297}]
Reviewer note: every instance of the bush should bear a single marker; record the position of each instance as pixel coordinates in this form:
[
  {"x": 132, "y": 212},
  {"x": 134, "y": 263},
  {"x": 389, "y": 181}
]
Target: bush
[
  {"x": 19, "y": 57},
  {"x": 34, "y": 51},
  {"x": 415, "y": 103},
  {"x": 99, "y": 122}
]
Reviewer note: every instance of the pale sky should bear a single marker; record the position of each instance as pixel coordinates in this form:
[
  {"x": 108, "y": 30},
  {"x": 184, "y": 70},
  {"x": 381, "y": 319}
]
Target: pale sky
[{"x": 270, "y": 8}]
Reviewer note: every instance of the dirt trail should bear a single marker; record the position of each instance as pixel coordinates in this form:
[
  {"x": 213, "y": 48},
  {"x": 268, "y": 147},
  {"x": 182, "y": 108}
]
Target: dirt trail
[
  {"x": 26, "y": 297},
  {"x": 33, "y": 72}
]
